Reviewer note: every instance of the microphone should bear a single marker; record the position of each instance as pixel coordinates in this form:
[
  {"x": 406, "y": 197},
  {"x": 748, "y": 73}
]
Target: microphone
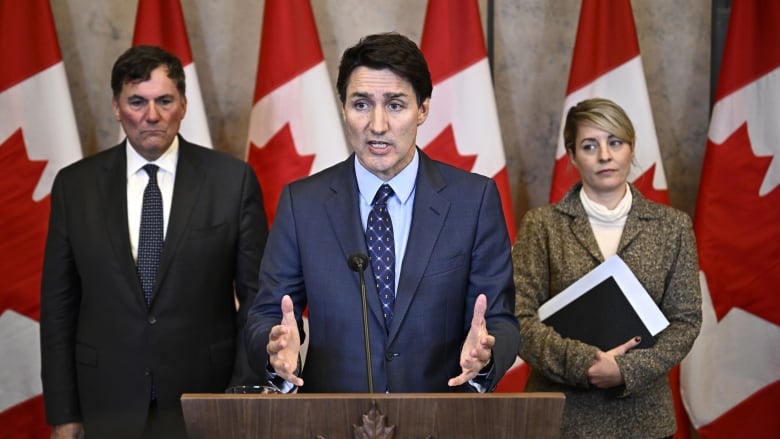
[{"x": 359, "y": 262}]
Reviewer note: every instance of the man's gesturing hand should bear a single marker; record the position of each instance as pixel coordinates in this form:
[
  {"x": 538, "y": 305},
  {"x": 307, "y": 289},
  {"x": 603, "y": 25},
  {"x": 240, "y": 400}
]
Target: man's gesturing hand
[
  {"x": 478, "y": 347},
  {"x": 284, "y": 345}
]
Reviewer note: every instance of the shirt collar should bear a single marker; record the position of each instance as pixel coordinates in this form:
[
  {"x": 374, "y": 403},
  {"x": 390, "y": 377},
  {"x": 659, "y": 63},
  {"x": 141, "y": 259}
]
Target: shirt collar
[
  {"x": 166, "y": 162},
  {"x": 402, "y": 184}
]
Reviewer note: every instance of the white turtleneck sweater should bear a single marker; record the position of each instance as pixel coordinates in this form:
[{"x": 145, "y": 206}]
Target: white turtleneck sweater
[{"x": 607, "y": 224}]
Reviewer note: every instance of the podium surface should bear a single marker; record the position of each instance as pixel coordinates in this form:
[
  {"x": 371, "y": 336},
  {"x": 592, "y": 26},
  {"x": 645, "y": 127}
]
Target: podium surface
[{"x": 394, "y": 415}]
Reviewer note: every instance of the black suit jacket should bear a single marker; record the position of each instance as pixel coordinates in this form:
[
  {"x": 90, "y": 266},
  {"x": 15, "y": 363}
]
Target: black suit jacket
[
  {"x": 458, "y": 248},
  {"x": 101, "y": 346}
]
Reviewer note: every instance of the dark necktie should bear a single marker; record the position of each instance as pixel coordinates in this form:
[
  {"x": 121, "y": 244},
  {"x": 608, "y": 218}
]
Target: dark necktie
[
  {"x": 381, "y": 249},
  {"x": 150, "y": 239}
]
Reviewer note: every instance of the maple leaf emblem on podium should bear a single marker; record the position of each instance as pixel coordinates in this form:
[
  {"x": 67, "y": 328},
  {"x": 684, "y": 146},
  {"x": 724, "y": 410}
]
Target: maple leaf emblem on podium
[{"x": 374, "y": 426}]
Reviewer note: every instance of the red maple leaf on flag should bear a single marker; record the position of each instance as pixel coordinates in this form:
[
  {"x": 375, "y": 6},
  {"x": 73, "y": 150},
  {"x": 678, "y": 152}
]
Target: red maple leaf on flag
[
  {"x": 644, "y": 183},
  {"x": 738, "y": 235},
  {"x": 443, "y": 148},
  {"x": 277, "y": 164},
  {"x": 24, "y": 225}
]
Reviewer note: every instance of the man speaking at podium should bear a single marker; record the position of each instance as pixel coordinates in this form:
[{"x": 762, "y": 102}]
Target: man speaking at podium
[{"x": 429, "y": 239}]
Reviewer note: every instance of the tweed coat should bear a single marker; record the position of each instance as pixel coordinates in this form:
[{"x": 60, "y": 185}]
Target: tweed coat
[{"x": 555, "y": 247}]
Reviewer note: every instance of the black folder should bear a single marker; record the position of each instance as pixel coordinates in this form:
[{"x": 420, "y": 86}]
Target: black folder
[
  {"x": 601, "y": 317},
  {"x": 605, "y": 308}
]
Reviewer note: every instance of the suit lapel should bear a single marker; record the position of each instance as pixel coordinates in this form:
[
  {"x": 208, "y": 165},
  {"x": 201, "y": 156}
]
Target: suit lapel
[
  {"x": 641, "y": 212},
  {"x": 582, "y": 230},
  {"x": 186, "y": 191},
  {"x": 344, "y": 215},
  {"x": 112, "y": 185},
  {"x": 428, "y": 217}
]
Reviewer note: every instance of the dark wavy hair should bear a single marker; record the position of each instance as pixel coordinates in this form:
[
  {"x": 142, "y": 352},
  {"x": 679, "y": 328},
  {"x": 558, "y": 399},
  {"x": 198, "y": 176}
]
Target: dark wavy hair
[{"x": 391, "y": 51}]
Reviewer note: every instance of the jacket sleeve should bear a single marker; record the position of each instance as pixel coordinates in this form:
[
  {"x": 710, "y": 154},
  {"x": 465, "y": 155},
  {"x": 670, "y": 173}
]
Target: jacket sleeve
[
  {"x": 280, "y": 274},
  {"x": 253, "y": 232},
  {"x": 681, "y": 304},
  {"x": 491, "y": 274},
  {"x": 60, "y": 299}
]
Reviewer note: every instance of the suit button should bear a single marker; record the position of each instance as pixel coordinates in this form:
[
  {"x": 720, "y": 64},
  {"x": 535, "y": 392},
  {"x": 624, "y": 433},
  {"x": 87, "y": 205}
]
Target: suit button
[
  {"x": 147, "y": 372},
  {"x": 390, "y": 356},
  {"x": 152, "y": 320}
]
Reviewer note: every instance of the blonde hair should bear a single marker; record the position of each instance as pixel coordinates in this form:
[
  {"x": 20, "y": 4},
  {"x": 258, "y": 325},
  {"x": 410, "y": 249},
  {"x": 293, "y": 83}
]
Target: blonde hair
[{"x": 599, "y": 113}]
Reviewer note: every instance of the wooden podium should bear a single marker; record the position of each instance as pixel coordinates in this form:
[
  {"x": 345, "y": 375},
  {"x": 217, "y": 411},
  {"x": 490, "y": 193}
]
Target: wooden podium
[{"x": 374, "y": 416}]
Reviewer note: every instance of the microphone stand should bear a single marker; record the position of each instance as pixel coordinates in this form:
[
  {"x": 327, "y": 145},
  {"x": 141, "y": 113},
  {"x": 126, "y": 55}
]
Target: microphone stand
[{"x": 358, "y": 262}]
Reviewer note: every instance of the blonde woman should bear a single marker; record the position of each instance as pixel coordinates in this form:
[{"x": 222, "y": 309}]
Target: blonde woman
[{"x": 623, "y": 392}]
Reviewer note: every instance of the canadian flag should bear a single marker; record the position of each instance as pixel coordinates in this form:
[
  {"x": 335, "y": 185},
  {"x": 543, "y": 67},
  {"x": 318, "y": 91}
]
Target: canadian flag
[
  {"x": 38, "y": 136},
  {"x": 294, "y": 128},
  {"x": 606, "y": 63},
  {"x": 462, "y": 128},
  {"x": 161, "y": 23},
  {"x": 731, "y": 378}
]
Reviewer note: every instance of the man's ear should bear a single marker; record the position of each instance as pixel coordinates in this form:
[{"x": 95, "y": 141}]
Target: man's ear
[
  {"x": 422, "y": 111},
  {"x": 115, "y": 108}
]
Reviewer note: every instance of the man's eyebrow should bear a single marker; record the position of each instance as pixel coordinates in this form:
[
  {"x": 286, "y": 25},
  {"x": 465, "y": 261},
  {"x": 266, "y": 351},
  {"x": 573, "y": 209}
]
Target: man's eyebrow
[
  {"x": 394, "y": 95},
  {"x": 162, "y": 96}
]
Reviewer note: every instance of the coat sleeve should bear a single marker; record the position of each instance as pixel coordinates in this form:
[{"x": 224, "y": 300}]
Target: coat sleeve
[
  {"x": 280, "y": 274},
  {"x": 491, "y": 274},
  {"x": 680, "y": 303},
  {"x": 253, "y": 232},
  {"x": 60, "y": 299}
]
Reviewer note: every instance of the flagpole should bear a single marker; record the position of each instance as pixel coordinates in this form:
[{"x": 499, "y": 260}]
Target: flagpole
[
  {"x": 489, "y": 37},
  {"x": 721, "y": 9}
]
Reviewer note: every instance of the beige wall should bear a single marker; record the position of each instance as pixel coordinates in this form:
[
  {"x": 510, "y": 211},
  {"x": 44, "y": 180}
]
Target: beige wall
[{"x": 533, "y": 45}]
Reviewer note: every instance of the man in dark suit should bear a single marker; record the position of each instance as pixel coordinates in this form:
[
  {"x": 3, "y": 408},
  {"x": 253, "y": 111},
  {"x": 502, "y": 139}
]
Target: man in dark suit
[
  {"x": 440, "y": 300},
  {"x": 121, "y": 343}
]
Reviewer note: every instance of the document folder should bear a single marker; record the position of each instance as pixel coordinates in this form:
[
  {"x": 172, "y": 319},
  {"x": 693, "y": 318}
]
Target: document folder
[{"x": 605, "y": 308}]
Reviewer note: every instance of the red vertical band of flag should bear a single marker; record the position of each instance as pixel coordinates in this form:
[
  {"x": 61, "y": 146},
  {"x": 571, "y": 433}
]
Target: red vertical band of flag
[
  {"x": 731, "y": 378},
  {"x": 751, "y": 50},
  {"x": 161, "y": 23},
  {"x": 21, "y": 62},
  {"x": 605, "y": 40},
  {"x": 460, "y": 19},
  {"x": 289, "y": 44},
  {"x": 37, "y": 137}
]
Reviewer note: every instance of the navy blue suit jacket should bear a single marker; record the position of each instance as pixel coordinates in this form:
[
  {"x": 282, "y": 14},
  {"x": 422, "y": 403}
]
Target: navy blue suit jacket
[{"x": 458, "y": 248}]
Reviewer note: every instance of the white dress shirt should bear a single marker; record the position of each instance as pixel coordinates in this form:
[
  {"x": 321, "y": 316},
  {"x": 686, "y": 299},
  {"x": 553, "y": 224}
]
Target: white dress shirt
[{"x": 137, "y": 179}]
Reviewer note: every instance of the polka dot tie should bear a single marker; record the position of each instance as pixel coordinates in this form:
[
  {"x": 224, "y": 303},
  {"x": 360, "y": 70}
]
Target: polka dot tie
[
  {"x": 381, "y": 250},
  {"x": 150, "y": 240}
]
